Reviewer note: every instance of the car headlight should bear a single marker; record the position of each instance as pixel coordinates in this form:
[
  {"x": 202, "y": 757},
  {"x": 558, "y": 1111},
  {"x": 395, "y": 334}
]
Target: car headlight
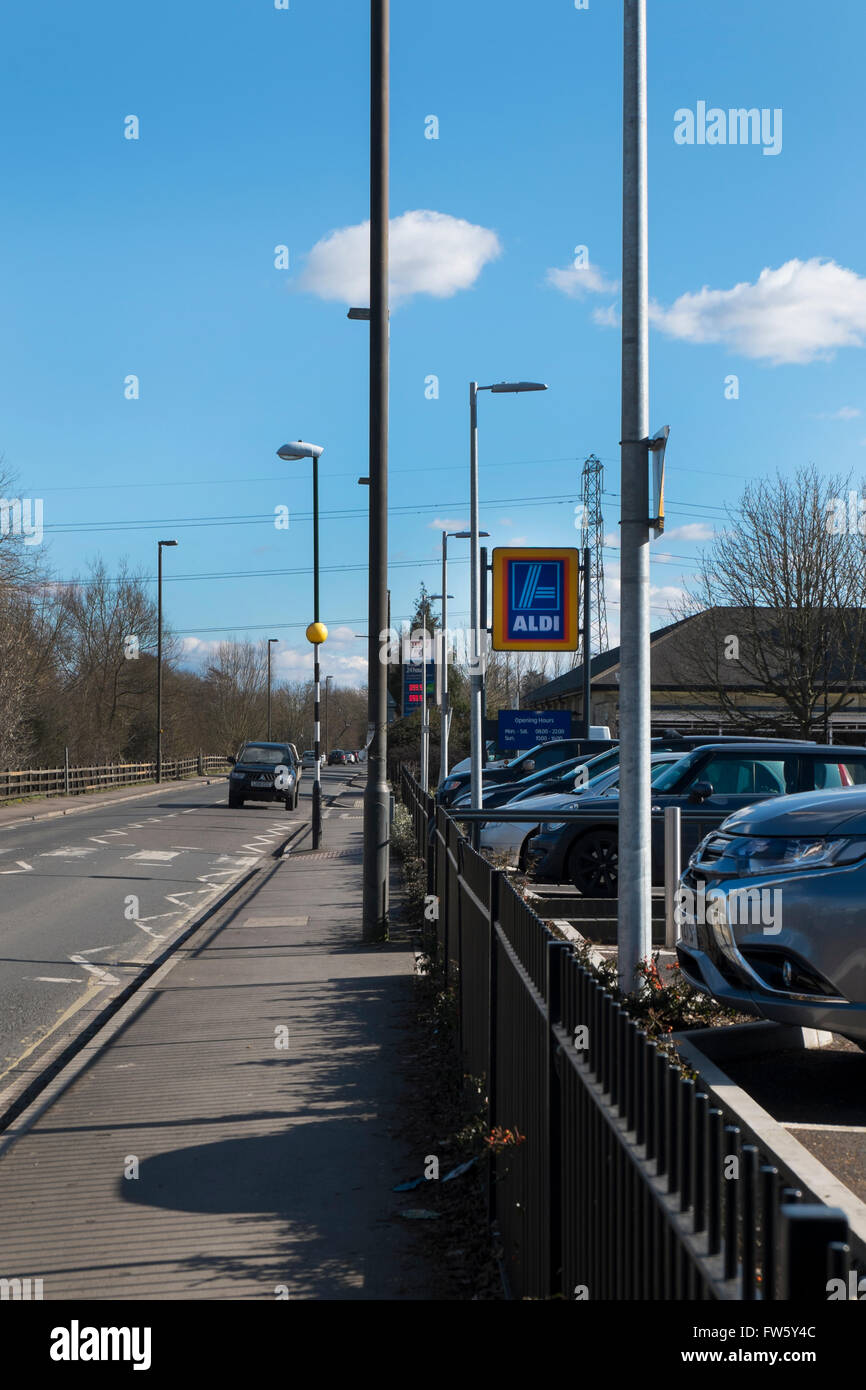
[
  {"x": 746, "y": 855},
  {"x": 551, "y": 827},
  {"x": 450, "y": 783},
  {"x": 235, "y": 774}
]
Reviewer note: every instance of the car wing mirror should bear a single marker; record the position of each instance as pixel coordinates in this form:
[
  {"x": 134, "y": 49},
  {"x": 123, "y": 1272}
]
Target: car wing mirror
[{"x": 700, "y": 791}]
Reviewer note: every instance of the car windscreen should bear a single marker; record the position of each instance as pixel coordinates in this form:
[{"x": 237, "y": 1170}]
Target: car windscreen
[
  {"x": 668, "y": 779},
  {"x": 264, "y": 753}
]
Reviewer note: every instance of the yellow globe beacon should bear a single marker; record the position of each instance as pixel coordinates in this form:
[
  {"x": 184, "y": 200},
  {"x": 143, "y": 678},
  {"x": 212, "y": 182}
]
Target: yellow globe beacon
[{"x": 317, "y": 633}]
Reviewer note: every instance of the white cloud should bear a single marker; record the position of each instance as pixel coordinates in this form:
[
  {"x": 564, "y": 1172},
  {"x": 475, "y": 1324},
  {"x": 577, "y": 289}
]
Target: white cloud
[
  {"x": 576, "y": 281},
  {"x": 431, "y": 253},
  {"x": 845, "y": 412},
  {"x": 612, "y": 539},
  {"x": 693, "y": 531},
  {"x": 607, "y": 318},
  {"x": 449, "y": 523},
  {"x": 799, "y": 312},
  {"x": 519, "y": 540}
]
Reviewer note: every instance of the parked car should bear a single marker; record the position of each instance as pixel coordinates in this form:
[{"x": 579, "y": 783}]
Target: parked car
[
  {"x": 771, "y": 909},
  {"x": 562, "y": 777},
  {"x": 546, "y": 755},
  {"x": 265, "y": 772},
  {"x": 709, "y": 784},
  {"x": 309, "y": 758},
  {"x": 511, "y": 838},
  {"x": 336, "y": 757}
]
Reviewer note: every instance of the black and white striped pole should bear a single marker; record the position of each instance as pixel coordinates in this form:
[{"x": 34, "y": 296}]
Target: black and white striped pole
[{"x": 316, "y": 632}]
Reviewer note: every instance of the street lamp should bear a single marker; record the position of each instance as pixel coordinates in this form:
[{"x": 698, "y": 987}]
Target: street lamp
[
  {"x": 476, "y": 678},
  {"x": 271, "y": 641},
  {"x": 445, "y": 718},
  {"x": 159, "y": 546},
  {"x": 316, "y": 632}
]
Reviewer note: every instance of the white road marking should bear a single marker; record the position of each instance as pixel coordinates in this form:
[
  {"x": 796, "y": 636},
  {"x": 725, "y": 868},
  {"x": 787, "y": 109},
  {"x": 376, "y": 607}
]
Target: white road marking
[
  {"x": 57, "y": 979},
  {"x": 236, "y": 861},
  {"x": 68, "y": 852},
  {"x": 104, "y": 975},
  {"x": 157, "y": 936},
  {"x": 175, "y": 897},
  {"x": 115, "y": 832},
  {"x": 153, "y": 856},
  {"x": 23, "y": 868},
  {"x": 99, "y": 840},
  {"x": 825, "y": 1129}
]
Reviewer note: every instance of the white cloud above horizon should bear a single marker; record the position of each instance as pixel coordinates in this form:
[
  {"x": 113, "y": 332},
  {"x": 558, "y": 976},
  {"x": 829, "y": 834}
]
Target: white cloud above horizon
[
  {"x": 845, "y": 412},
  {"x": 577, "y": 281},
  {"x": 430, "y": 253},
  {"x": 797, "y": 313}
]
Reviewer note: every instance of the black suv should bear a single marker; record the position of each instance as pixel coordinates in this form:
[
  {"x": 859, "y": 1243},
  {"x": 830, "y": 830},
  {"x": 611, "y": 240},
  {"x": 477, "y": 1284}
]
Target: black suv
[
  {"x": 708, "y": 784},
  {"x": 265, "y": 772}
]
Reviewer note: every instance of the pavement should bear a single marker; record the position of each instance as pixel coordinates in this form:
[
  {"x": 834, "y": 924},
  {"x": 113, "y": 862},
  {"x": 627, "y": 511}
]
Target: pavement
[{"x": 234, "y": 1132}]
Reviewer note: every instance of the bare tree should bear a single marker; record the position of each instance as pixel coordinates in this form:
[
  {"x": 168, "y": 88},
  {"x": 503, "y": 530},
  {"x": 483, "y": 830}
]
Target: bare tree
[
  {"x": 238, "y": 678},
  {"x": 782, "y": 598}
]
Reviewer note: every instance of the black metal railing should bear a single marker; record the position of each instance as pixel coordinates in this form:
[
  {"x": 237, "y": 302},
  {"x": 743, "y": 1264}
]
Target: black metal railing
[{"x": 617, "y": 1174}]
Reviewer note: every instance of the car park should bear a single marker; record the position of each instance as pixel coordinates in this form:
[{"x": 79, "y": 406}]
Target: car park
[
  {"x": 708, "y": 784},
  {"x": 264, "y": 771},
  {"x": 544, "y": 755},
  {"x": 511, "y": 838},
  {"x": 562, "y": 777},
  {"x": 771, "y": 910}
]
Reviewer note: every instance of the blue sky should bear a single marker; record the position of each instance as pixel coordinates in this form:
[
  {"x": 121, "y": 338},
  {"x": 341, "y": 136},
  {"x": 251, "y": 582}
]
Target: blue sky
[{"x": 155, "y": 257}]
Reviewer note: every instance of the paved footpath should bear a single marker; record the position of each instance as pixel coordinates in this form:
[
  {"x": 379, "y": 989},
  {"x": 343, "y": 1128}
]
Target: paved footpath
[{"x": 261, "y": 1168}]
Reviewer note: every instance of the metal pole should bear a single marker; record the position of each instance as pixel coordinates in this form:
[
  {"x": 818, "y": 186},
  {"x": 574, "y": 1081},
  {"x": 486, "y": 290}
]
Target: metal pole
[
  {"x": 475, "y": 692},
  {"x": 634, "y": 926},
  {"x": 443, "y": 709},
  {"x": 66, "y": 771},
  {"x": 269, "y": 692},
  {"x": 317, "y": 784},
  {"x": 673, "y": 865},
  {"x": 159, "y": 665},
  {"x": 424, "y": 713},
  {"x": 587, "y": 649},
  {"x": 376, "y": 794},
  {"x": 482, "y": 589}
]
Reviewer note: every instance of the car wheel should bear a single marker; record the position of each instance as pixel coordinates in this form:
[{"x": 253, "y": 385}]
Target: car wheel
[
  {"x": 235, "y": 801},
  {"x": 593, "y": 864}
]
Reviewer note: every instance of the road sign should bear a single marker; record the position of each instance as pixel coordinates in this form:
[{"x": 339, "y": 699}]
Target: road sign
[
  {"x": 524, "y": 728},
  {"x": 535, "y": 599}
]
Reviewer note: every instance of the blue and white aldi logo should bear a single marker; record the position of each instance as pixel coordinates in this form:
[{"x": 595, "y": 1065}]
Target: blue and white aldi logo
[{"x": 535, "y": 599}]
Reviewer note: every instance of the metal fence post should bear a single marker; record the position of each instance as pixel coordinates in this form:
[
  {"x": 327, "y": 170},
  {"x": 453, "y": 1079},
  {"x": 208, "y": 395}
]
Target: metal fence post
[
  {"x": 66, "y": 772},
  {"x": 807, "y": 1232},
  {"x": 673, "y": 865}
]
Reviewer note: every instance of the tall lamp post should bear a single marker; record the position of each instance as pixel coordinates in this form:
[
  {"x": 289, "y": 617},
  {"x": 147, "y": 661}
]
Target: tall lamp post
[
  {"x": 443, "y": 598},
  {"x": 271, "y": 641},
  {"x": 316, "y": 632},
  {"x": 160, "y": 544},
  {"x": 476, "y": 678}
]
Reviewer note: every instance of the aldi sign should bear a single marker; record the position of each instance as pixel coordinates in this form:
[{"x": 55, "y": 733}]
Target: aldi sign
[{"x": 535, "y": 600}]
